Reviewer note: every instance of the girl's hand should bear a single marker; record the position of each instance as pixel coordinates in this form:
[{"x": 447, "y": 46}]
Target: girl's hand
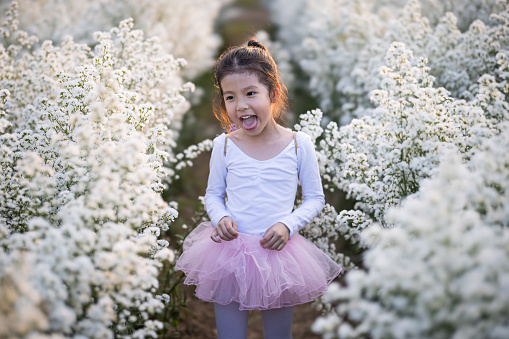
[
  {"x": 226, "y": 229},
  {"x": 276, "y": 237}
]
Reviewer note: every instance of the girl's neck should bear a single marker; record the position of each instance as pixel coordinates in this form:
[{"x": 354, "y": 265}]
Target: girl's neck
[
  {"x": 263, "y": 147},
  {"x": 272, "y": 132}
]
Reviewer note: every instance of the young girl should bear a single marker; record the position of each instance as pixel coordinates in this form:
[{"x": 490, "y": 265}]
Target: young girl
[{"x": 250, "y": 256}]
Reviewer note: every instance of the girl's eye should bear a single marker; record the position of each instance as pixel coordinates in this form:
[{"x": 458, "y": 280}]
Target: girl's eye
[
  {"x": 229, "y": 97},
  {"x": 251, "y": 93}
]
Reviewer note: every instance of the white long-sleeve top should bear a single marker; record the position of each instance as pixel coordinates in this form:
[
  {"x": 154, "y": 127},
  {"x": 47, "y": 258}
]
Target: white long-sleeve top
[{"x": 262, "y": 193}]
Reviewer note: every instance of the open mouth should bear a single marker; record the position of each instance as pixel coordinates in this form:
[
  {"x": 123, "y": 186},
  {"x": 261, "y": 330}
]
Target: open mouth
[{"x": 249, "y": 122}]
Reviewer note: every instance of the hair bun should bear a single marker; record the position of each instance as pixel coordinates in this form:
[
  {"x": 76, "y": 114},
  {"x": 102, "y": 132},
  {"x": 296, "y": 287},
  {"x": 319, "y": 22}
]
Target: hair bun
[{"x": 255, "y": 43}]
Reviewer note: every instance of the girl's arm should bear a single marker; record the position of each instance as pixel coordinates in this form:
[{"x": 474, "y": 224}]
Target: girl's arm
[
  {"x": 311, "y": 183},
  {"x": 216, "y": 185}
]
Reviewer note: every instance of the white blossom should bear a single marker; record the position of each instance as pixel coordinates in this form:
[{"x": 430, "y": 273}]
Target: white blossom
[
  {"x": 427, "y": 167},
  {"x": 184, "y": 29},
  {"x": 340, "y": 45},
  {"x": 443, "y": 270},
  {"x": 401, "y": 143},
  {"x": 83, "y": 144}
]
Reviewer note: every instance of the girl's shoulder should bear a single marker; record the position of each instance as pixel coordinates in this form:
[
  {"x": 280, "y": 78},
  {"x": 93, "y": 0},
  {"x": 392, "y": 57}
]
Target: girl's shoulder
[
  {"x": 224, "y": 139},
  {"x": 302, "y": 138},
  {"x": 220, "y": 139}
]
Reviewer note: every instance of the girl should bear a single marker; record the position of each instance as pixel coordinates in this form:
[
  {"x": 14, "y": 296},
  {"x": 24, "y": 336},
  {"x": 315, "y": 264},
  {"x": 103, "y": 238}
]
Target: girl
[{"x": 250, "y": 255}]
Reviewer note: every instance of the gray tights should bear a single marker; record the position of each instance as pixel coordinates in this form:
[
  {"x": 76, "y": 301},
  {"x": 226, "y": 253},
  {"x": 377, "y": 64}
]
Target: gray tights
[{"x": 231, "y": 323}]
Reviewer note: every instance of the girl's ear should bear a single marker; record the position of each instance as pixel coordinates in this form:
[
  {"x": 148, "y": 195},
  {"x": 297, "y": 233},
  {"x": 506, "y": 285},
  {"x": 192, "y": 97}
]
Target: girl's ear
[{"x": 275, "y": 94}]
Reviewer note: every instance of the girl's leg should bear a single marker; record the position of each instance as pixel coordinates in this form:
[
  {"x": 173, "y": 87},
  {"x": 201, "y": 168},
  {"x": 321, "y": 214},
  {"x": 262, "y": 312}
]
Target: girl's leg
[
  {"x": 231, "y": 323},
  {"x": 277, "y": 323}
]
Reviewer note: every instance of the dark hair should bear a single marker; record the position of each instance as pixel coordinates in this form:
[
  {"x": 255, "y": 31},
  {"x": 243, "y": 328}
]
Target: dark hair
[{"x": 254, "y": 58}]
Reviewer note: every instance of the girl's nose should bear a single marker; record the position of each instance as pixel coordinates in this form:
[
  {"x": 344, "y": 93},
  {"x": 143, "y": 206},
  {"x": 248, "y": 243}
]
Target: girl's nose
[{"x": 241, "y": 106}]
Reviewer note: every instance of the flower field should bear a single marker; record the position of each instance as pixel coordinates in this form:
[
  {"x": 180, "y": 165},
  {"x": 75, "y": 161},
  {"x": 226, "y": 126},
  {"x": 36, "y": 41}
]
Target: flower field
[{"x": 408, "y": 108}]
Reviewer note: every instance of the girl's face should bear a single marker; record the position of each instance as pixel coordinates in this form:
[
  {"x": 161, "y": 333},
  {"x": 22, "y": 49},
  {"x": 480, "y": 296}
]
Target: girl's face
[{"x": 248, "y": 103}]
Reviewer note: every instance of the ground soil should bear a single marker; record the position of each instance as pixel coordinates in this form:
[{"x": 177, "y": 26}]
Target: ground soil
[{"x": 197, "y": 321}]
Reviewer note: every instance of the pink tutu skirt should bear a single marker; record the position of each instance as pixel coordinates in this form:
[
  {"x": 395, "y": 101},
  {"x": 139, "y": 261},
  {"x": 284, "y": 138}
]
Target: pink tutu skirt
[{"x": 242, "y": 271}]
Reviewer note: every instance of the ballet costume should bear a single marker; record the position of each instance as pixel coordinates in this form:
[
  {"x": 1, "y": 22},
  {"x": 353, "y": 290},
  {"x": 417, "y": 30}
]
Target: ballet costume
[{"x": 257, "y": 194}]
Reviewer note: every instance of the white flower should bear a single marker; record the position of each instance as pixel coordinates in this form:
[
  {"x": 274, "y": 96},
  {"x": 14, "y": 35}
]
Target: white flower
[
  {"x": 340, "y": 45},
  {"x": 184, "y": 29},
  {"x": 80, "y": 180},
  {"x": 444, "y": 262}
]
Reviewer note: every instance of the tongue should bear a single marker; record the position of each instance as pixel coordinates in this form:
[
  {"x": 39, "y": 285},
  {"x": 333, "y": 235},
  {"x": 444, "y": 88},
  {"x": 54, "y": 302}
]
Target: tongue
[{"x": 250, "y": 122}]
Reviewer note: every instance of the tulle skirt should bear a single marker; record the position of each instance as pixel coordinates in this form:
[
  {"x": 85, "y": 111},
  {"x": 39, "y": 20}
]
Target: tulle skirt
[{"x": 242, "y": 271}]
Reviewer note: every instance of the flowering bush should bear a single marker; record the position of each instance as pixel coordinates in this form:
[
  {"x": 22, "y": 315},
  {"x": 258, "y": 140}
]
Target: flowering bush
[
  {"x": 83, "y": 140},
  {"x": 340, "y": 45},
  {"x": 438, "y": 222},
  {"x": 380, "y": 159},
  {"x": 443, "y": 271},
  {"x": 184, "y": 28}
]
